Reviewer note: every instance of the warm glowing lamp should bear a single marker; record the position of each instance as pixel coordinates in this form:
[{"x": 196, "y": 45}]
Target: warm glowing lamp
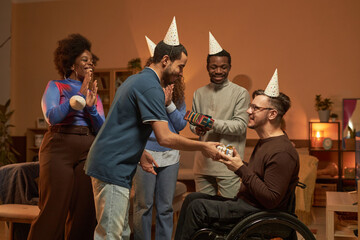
[{"x": 317, "y": 138}]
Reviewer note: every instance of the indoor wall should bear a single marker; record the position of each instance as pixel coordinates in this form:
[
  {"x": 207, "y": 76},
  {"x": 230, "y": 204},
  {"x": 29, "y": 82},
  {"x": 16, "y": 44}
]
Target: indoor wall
[
  {"x": 5, "y": 46},
  {"x": 314, "y": 44}
]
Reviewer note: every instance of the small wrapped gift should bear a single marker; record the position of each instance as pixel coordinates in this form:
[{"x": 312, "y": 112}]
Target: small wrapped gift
[
  {"x": 228, "y": 149},
  {"x": 199, "y": 120}
]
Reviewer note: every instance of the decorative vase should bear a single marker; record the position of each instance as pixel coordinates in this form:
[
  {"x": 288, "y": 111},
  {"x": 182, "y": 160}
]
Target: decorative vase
[
  {"x": 324, "y": 115},
  {"x": 38, "y": 139}
]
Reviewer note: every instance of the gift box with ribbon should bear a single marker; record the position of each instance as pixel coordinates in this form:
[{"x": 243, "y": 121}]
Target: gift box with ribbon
[
  {"x": 228, "y": 149},
  {"x": 198, "y": 119}
]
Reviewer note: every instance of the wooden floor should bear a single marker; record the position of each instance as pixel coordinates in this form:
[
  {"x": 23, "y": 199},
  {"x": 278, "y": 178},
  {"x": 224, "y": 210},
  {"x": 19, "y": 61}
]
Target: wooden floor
[{"x": 318, "y": 225}]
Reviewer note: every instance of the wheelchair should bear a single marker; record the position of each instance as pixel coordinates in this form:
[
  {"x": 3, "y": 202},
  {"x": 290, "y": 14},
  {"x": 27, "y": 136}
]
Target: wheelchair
[{"x": 262, "y": 225}]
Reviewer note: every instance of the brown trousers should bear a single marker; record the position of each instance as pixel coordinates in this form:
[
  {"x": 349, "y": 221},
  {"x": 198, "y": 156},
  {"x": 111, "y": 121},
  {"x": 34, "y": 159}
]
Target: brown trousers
[{"x": 66, "y": 201}]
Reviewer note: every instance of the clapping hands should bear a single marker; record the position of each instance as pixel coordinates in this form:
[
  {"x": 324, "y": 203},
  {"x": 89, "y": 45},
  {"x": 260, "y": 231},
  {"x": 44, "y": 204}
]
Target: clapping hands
[
  {"x": 168, "y": 91},
  {"x": 89, "y": 90}
]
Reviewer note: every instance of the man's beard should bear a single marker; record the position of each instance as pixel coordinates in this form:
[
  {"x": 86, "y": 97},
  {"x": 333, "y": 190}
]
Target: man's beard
[
  {"x": 168, "y": 77},
  {"x": 258, "y": 123}
]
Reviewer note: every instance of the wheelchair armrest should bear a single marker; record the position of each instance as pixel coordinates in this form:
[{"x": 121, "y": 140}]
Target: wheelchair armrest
[{"x": 301, "y": 185}]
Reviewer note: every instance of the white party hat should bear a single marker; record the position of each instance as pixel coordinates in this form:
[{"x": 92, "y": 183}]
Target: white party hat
[
  {"x": 214, "y": 46},
  {"x": 151, "y": 46},
  {"x": 272, "y": 89},
  {"x": 172, "y": 37}
]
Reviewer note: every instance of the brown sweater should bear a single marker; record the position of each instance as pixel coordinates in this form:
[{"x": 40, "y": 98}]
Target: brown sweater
[{"x": 271, "y": 175}]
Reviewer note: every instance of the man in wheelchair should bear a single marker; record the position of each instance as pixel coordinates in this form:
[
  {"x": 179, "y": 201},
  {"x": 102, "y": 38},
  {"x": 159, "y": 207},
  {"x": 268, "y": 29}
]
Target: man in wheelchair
[{"x": 268, "y": 180}]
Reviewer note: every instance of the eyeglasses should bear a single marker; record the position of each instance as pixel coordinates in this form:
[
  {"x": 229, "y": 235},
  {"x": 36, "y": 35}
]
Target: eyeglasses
[{"x": 255, "y": 108}]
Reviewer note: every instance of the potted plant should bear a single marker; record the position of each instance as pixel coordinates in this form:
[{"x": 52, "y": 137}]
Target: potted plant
[
  {"x": 333, "y": 117},
  {"x": 135, "y": 65},
  {"x": 8, "y": 153},
  {"x": 323, "y": 106}
]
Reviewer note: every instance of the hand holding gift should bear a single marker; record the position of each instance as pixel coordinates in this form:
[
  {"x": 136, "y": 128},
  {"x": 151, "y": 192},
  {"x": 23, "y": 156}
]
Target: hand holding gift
[
  {"x": 200, "y": 131},
  {"x": 228, "y": 150},
  {"x": 199, "y": 120},
  {"x": 234, "y": 162}
]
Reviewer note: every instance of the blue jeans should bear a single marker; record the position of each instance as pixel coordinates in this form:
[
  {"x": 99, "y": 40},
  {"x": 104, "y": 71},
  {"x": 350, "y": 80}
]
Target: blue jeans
[
  {"x": 112, "y": 211},
  {"x": 163, "y": 187}
]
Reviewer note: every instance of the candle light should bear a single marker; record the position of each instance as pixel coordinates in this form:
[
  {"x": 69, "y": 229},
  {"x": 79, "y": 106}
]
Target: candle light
[{"x": 317, "y": 139}]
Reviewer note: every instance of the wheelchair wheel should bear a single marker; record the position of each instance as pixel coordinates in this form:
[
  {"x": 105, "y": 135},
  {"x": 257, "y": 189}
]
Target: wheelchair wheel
[
  {"x": 270, "y": 225},
  {"x": 208, "y": 234}
]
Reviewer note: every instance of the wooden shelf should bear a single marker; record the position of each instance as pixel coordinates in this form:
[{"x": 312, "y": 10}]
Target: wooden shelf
[
  {"x": 103, "y": 90},
  {"x": 347, "y": 150},
  {"x": 31, "y": 149},
  {"x": 324, "y": 150},
  {"x": 109, "y": 79},
  {"x": 327, "y": 177},
  {"x": 344, "y": 233},
  {"x": 34, "y": 148},
  {"x": 336, "y": 155},
  {"x": 339, "y": 202}
]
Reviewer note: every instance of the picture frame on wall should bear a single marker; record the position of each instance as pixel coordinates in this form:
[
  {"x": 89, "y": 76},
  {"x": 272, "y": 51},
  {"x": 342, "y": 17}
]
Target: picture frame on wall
[
  {"x": 350, "y": 129},
  {"x": 41, "y": 123}
]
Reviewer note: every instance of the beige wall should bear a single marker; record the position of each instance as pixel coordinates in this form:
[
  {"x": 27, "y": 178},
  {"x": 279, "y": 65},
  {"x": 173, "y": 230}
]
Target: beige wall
[
  {"x": 5, "y": 46},
  {"x": 314, "y": 44}
]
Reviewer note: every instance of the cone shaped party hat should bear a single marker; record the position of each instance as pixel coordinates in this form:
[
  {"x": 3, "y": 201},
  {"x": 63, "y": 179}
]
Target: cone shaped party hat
[
  {"x": 151, "y": 46},
  {"x": 272, "y": 89},
  {"x": 214, "y": 46},
  {"x": 172, "y": 37}
]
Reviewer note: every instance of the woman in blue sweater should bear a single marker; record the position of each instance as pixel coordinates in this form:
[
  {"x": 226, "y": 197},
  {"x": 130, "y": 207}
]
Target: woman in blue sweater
[
  {"x": 160, "y": 187},
  {"x": 74, "y": 112}
]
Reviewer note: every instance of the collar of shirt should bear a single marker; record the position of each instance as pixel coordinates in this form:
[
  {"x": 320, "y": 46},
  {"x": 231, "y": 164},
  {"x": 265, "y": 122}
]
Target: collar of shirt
[
  {"x": 73, "y": 81},
  {"x": 155, "y": 73},
  {"x": 218, "y": 86}
]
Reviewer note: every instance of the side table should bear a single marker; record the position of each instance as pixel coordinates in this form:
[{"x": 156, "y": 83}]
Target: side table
[{"x": 338, "y": 202}]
